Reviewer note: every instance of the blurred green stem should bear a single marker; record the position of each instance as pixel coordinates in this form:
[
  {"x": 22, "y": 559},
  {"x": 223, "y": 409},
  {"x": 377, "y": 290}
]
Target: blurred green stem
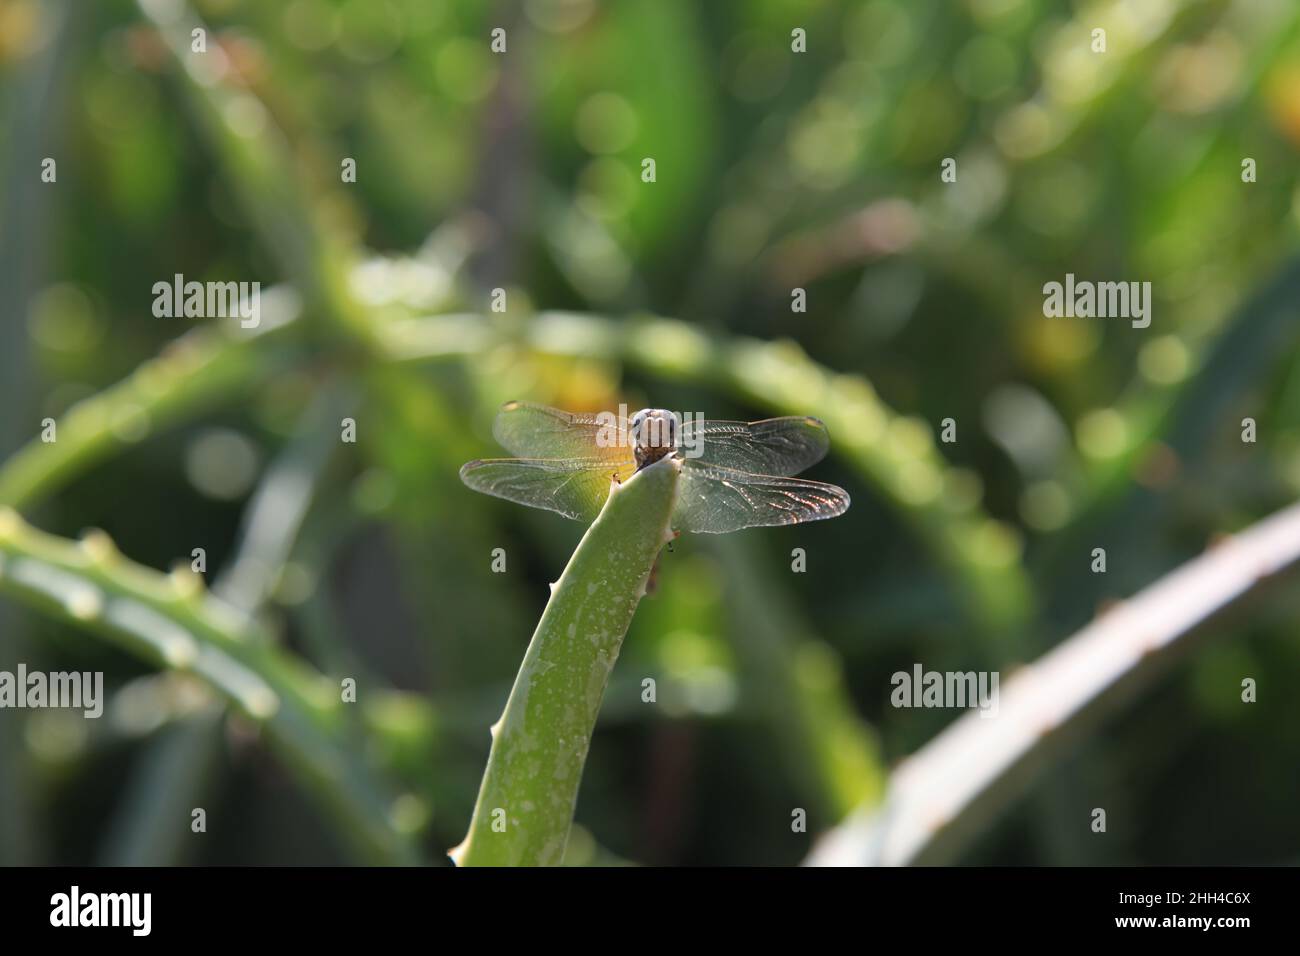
[
  {"x": 941, "y": 797},
  {"x": 268, "y": 182},
  {"x": 801, "y": 695},
  {"x": 169, "y": 621},
  {"x": 181, "y": 763},
  {"x": 539, "y": 746},
  {"x": 34, "y": 125},
  {"x": 197, "y": 370}
]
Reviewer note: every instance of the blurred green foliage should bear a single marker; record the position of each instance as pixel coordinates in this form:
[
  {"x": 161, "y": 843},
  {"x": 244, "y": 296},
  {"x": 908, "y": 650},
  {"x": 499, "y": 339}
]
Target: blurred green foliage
[{"x": 522, "y": 171}]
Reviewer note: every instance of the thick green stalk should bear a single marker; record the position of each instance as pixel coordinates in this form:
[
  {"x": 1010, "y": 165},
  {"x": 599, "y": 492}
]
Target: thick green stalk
[{"x": 530, "y": 788}]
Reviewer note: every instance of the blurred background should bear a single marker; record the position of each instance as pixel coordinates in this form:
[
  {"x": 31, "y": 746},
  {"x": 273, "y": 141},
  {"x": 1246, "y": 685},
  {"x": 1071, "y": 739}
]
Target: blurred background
[{"x": 521, "y": 171}]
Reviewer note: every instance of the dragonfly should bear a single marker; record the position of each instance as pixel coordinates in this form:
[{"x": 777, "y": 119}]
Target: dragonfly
[{"x": 734, "y": 475}]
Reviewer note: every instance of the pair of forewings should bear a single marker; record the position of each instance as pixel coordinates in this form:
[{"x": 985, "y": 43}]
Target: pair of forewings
[{"x": 741, "y": 479}]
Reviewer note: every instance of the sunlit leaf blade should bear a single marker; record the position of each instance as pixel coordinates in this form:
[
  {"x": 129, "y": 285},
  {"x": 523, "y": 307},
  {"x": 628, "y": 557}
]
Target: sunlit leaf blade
[
  {"x": 573, "y": 487},
  {"x": 539, "y": 745},
  {"x": 716, "y": 500},
  {"x": 774, "y": 446},
  {"x": 536, "y": 431}
]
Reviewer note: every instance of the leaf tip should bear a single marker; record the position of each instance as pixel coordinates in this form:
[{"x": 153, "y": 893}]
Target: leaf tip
[{"x": 457, "y": 853}]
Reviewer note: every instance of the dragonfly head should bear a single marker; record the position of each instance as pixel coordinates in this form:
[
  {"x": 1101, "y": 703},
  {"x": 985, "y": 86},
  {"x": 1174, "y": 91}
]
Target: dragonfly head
[{"x": 654, "y": 433}]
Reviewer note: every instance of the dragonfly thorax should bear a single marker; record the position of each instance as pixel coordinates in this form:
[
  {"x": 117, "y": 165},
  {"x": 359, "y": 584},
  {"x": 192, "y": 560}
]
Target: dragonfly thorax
[{"x": 654, "y": 433}]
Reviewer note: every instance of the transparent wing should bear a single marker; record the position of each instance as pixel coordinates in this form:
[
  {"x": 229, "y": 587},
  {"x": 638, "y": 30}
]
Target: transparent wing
[
  {"x": 713, "y": 500},
  {"x": 774, "y": 446},
  {"x": 536, "y": 431},
  {"x": 573, "y": 487}
]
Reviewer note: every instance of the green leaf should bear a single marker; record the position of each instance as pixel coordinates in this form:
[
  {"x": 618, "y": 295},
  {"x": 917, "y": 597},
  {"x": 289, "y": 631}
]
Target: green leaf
[{"x": 530, "y": 788}]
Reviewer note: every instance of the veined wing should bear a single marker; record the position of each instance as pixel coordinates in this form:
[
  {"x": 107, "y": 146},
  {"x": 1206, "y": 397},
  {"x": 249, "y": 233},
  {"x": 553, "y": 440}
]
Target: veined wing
[
  {"x": 573, "y": 487},
  {"x": 536, "y": 431},
  {"x": 714, "y": 500},
  {"x": 774, "y": 446}
]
